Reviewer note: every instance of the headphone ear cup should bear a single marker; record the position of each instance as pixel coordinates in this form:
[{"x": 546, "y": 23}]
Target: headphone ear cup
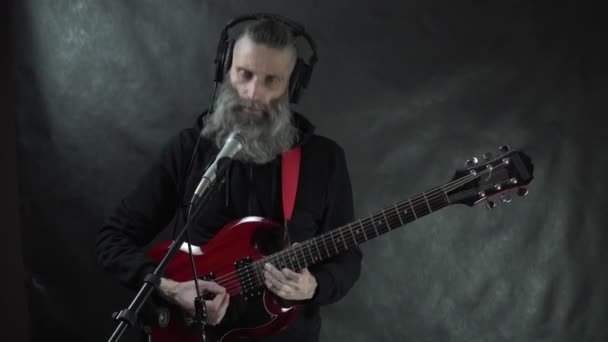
[
  {"x": 229, "y": 52},
  {"x": 295, "y": 81},
  {"x": 224, "y": 60},
  {"x": 305, "y": 76}
]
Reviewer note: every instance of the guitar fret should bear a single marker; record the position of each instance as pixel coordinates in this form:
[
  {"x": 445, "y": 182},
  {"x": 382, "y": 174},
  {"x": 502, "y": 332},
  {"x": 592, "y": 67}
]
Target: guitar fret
[
  {"x": 318, "y": 250},
  {"x": 364, "y": 234},
  {"x": 378, "y": 223},
  {"x": 312, "y": 253},
  {"x": 295, "y": 252},
  {"x": 276, "y": 262},
  {"x": 385, "y": 220},
  {"x": 398, "y": 214},
  {"x": 312, "y": 258},
  {"x": 374, "y": 224},
  {"x": 446, "y": 195},
  {"x": 352, "y": 233},
  {"x": 413, "y": 211},
  {"x": 303, "y": 255},
  {"x": 331, "y": 236},
  {"x": 290, "y": 258},
  {"x": 322, "y": 238},
  {"x": 287, "y": 261},
  {"x": 303, "y": 252},
  {"x": 342, "y": 236},
  {"x": 427, "y": 202},
  {"x": 361, "y": 224}
]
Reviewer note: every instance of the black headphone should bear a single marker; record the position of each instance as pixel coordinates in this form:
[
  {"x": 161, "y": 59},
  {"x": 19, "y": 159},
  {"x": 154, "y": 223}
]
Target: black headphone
[{"x": 302, "y": 71}]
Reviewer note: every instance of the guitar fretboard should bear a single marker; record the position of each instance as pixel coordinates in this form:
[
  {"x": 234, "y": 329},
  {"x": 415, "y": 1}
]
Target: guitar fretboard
[{"x": 355, "y": 233}]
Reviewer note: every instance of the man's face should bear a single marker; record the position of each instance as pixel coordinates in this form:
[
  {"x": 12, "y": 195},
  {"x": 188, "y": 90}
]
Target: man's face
[{"x": 260, "y": 74}]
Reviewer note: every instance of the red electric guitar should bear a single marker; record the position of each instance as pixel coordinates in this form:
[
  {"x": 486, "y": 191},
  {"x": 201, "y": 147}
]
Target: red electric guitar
[{"x": 235, "y": 256}]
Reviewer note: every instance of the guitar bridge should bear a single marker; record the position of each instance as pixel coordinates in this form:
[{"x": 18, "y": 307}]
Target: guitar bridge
[
  {"x": 249, "y": 279},
  {"x": 208, "y": 277}
]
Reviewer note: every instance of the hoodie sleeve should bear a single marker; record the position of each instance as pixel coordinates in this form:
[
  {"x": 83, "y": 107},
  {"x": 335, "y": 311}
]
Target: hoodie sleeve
[
  {"x": 338, "y": 275},
  {"x": 138, "y": 218}
]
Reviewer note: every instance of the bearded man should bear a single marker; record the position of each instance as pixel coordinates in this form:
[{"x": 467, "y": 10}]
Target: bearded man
[{"x": 255, "y": 100}]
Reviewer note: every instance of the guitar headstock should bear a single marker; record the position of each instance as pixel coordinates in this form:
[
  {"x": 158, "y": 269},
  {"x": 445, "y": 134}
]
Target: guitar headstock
[{"x": 509, "y": 171}]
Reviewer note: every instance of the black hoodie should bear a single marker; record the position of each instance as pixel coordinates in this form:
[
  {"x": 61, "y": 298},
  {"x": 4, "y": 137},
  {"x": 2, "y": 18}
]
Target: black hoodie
[{"x": 323, "y": 202}]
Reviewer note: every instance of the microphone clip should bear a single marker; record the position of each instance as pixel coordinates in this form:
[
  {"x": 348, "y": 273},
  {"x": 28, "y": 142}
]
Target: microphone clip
[{"x": 200, "y": 315}]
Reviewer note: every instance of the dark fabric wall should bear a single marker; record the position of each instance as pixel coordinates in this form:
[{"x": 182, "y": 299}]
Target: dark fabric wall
[
  {"x": 410, "y": 89},
  {"x": 14, "y": 314}
]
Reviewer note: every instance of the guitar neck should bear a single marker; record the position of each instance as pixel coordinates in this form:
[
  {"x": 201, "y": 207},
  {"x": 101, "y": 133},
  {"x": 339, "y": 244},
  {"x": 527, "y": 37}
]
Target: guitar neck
[{"x": 346, "y": 237}]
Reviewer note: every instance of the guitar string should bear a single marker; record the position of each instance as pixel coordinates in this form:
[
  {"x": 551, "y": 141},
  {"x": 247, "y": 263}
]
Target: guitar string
[
  {"x": 392, "y": 219},
  {"x": 253, "y": 276},
  {"x": 249, "y": 281},
  {"x": 255, "y": 272}
]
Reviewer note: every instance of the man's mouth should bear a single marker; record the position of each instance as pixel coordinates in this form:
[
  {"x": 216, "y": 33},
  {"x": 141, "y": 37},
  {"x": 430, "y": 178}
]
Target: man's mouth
[
  {"x": 252, "y": 110},
  {"x": 256, "y": 112}
]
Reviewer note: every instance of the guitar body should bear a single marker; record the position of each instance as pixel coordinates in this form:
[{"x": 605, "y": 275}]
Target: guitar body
[{"x": 253, "y": 311}]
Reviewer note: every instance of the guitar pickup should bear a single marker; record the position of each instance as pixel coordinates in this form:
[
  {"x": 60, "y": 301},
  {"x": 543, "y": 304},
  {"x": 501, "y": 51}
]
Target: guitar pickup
[{"x": 249, "y": 280}]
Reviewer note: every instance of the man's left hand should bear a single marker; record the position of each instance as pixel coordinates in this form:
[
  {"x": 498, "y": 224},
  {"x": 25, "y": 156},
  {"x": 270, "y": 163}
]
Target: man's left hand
[{"x": 288, "y": 284}]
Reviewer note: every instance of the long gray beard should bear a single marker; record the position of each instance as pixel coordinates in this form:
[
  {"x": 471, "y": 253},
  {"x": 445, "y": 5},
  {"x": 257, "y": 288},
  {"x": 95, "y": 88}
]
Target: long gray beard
[{"x": 265, "y": 137}]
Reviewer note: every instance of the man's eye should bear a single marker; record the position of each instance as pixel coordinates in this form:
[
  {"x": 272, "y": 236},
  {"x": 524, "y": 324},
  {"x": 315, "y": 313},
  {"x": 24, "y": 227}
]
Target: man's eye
[
  {"x": 244, "y": 74},
  {"x": 271, "y": 80}
]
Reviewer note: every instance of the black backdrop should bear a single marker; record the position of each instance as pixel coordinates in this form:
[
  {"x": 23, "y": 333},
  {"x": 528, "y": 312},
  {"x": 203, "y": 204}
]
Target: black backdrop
[{"x": 410, "y": 89}]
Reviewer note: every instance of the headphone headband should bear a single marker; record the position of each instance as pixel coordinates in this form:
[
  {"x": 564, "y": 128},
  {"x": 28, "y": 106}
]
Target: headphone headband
[{"x": 296, "y": 28}]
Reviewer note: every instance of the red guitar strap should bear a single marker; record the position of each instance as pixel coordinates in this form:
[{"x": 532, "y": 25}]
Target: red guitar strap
[{"x": 290, "y": 175}]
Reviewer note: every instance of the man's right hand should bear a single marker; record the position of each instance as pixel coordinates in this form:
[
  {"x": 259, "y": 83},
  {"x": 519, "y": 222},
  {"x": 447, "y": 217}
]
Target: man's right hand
[{"x": 184, "y": 293}]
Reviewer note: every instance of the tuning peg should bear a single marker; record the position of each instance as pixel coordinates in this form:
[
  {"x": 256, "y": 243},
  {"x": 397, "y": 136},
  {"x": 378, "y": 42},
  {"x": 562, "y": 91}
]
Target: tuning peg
[
  {"x": 523, "y": 191},
  {"x": 504, "y": 148},
  {"x": 487, "y": 156},
  {"x": 490, "y": 204},
  {"x": 505, "y": 198},
  {"x": 471, "y": 162}
]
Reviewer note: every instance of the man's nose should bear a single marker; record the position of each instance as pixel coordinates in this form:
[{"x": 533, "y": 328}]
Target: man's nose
[{"x": 253, "y": 91}]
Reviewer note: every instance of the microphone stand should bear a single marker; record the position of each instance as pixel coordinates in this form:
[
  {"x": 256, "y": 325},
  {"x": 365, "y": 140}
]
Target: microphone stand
[{"x": 129, "y": 317}]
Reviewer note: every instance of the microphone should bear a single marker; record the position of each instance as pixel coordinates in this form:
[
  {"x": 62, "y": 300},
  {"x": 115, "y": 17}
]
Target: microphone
[{"x": 234, "y": 143}]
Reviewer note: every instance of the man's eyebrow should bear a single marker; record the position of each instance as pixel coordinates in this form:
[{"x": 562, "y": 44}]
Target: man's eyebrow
[
  {"x": 277, "y": 76},
  {"x": 243, "y": 69}
]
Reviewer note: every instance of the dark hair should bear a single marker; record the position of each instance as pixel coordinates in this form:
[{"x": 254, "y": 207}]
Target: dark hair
[{"x": 270, "y": 32}]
